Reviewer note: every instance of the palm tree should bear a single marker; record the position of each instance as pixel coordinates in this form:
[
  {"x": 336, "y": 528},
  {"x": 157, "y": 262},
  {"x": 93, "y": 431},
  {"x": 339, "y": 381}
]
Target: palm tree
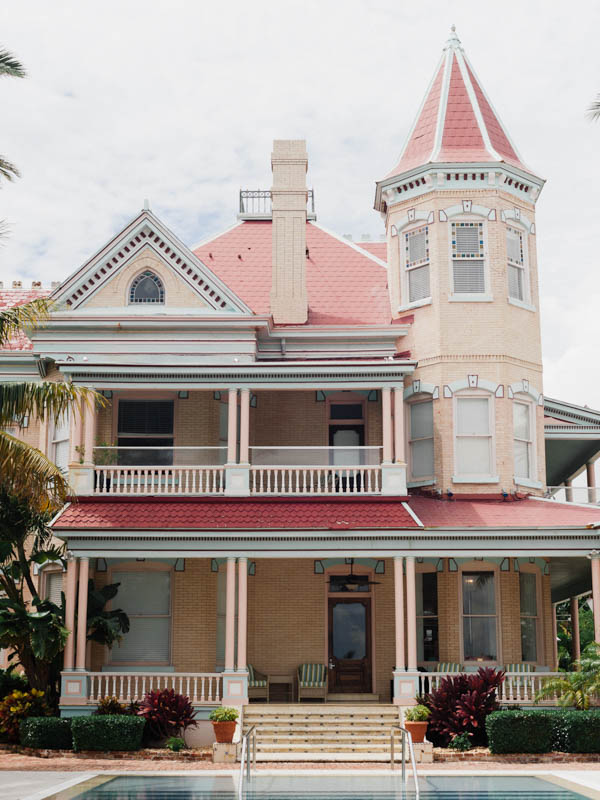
[
  {"x": 10, "y": 66},
  {"x": 576, "y": 688},
  {"x": 594, "y": 109},
  {"x": 25, "y": 472}
]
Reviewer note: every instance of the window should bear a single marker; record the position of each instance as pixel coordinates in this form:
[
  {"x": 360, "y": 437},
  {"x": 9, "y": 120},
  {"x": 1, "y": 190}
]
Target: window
[
  {"x": 528, "y": 596},
  {"x": 146, "y": 424},
  {"x": 479, "y": 616},
  {"x": 59, "y": 442},
  {"x": 147, "y": 288},
  {"x": 53, "y": 582},
  {"x": 517, "y": 289},
  {"x": 416, "y": 247},
  {"x": 427, "y": 616},
  {"x": 146, "y": 599},
  {"x": 474, "y": 439},
  {"x": 420, "y": 441},
  {"x": 523, "y": 440},
  {"x": 468, "y": 265}
]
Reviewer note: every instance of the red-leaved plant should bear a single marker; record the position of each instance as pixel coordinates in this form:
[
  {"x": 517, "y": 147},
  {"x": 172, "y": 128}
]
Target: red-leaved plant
[
  {"x": 167, "y": 713},
  {"x": 461, "y": 704}
]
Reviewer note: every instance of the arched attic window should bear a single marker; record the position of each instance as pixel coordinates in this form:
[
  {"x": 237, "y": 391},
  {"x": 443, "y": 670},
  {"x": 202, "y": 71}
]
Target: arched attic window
[{"x": 147, "y": 287}]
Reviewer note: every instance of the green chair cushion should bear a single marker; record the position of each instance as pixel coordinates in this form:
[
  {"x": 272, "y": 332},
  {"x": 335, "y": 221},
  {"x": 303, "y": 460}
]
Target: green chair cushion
[
  {"x": 312, "y": 676},
  {"x": 519, "y": 668},
  {"x": 449, "y": 666}
]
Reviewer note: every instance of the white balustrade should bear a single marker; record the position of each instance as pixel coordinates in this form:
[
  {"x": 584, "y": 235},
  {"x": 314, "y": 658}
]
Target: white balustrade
[
  {"x": 130, "y": 687},
  {"x": 301, "y": 480},
  {"x": 172, "y": 480},
  {"x": 517, "y": 687}
]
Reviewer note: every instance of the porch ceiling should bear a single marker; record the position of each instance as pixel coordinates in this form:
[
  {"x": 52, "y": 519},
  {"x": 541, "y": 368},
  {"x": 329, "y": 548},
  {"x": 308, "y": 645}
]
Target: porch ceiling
[{"x": 569, "y": 577}]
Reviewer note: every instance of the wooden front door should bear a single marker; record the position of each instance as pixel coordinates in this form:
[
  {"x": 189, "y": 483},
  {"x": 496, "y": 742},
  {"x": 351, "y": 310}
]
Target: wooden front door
[{"x": 350, "y": 645}]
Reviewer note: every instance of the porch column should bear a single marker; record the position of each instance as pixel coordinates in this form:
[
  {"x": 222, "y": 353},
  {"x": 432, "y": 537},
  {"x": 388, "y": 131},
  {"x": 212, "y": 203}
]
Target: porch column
[
  {"x": 232, "y": 427},
  {"x": 554, "y": 638},
  {"x": 399, "y": 446},
  {"x": 411, "y": 612},
  {"x": 70, "y": 612},
  {"x": 386, "y": 413},
  {"x": 575, "y": 641},
  {"x": 399, "y": 611},
  {"x": 230, "y": 617},
  {"x": 596, "y": 595},
  {"x": 244, "y": 426},
  {"x": 242, "y": 612},
  {"x": 84, "y": 567},
  {"x": 89, "y": 433},
  {"x": 569, "y": 490},
  {"x": 590, "y": 469}
]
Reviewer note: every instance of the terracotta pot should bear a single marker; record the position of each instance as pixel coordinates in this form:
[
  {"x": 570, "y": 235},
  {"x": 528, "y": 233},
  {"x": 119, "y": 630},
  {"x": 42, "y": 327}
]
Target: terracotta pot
[
  {"x": 224, "y": 731},
  {"x": 417, "y": 730}
]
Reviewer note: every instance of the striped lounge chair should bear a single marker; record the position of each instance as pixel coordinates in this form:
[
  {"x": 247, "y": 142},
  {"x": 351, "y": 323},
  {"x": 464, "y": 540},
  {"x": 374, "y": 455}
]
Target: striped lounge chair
[
  {"x": 258, "y": 685},
  {"x": 519, "y": 667},
  {"x": 449, "y": 666},
  {"x": 312, "y": 681}
]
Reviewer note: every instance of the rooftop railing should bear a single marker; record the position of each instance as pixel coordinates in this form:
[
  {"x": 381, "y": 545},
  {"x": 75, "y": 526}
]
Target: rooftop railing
[
  {"x": 256, "y": 204},
  {"x": 574, "y": 494}
]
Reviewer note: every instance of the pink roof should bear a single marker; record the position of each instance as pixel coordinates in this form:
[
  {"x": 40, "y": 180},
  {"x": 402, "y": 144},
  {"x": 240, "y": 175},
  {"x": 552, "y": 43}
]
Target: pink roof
[
  {"x": 456, "y": 123},
  {"x": 17, "y": 297},
  {"x": 377, "y": 249},
  {"x": 526, "y": 513},
  {"x": 345, "y": 284},
  {"x": 225, "y": 513}
]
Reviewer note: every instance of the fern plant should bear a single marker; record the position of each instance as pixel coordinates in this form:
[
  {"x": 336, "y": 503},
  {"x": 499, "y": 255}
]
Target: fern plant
[{"x": 576, "y": 688}]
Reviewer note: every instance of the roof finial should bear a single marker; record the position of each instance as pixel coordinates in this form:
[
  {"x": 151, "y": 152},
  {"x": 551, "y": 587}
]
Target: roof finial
[{"x": 453, "y": 40}]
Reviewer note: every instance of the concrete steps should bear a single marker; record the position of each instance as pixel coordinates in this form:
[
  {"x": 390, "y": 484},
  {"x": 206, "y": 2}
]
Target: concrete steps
[{"x": 321, "y": 732}]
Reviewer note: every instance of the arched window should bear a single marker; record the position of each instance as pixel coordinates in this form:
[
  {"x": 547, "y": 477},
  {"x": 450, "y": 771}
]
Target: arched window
[{"x": 147, "y": 288}]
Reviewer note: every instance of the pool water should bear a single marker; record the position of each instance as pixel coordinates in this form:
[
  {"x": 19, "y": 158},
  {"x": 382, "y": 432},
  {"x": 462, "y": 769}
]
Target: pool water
[{"x": 318, "y": 787}]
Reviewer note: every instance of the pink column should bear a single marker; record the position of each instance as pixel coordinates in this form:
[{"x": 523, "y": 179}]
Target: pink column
[
  {"x": 84, "y": 566},
  {"x": 568, "y": 491},
  {"x": 230, "y": 616},
  {"x": 411, "y": 612},
  {"x": 575, "y": 640},
  {"x": 76, "y": 431},
  {"x": 89, "y": 432},
  {"x": 554, "y": 638},
  {"x": 386, "y": 413},
  {"x": 590, "y": 469},
  {"x": 596, "y": 596},
  {"x": 242, "y": 612},
  {"x": 399, "y": 447},
  {"x": 399, "y": 611},
  {"x": 244, "y": 426},
  {"x": 69, "y": 661},
  {"x": 232, "y": 427}
]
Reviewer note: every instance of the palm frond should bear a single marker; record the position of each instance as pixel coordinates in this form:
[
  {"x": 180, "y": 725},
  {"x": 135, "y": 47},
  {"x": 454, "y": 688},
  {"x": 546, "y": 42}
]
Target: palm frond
[
  {"x": 25, "y": 472},
  {"x": 9, "y": 65},
  {"x": 19, "y": 400},
  {"x": 28, "y": 315},
  {"x": 594, "y": 109},
  {"x": 8, "y": 170}
]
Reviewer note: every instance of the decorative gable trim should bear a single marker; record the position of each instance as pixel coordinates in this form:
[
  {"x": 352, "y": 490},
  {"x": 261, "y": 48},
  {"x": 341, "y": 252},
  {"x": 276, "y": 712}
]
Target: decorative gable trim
[
  {"x": 420, "y": 387},
  {"x": 147, "y": 232},
  {"x": 408, "y": 219},
  {"x": 517, "y": 215},
  {"x": 524, "y": 387},
  {"x": 467, "y": 207},
  {"x": 472, "y": 382}
]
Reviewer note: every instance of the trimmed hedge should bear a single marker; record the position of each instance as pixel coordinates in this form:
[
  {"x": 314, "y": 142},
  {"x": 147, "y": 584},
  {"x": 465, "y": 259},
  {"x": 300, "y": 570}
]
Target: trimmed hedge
[
  {"x": 544, "y": 731},
  {"x": 52, "y": 733},
  {"x": 107, "y": 732}
]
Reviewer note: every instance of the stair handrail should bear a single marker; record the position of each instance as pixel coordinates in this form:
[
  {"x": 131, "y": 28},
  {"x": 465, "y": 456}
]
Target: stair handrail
[
  {"x": 245, "y": 758},
  {"x": 406, "y": 737}
]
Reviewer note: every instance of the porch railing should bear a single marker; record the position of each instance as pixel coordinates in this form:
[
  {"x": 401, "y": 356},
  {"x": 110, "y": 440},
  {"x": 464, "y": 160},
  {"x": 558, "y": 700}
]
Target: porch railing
[
  {"x": 574, "y": 494},
  {"x": 129, "y": 687},
  {"x": 518, "y": 687}
]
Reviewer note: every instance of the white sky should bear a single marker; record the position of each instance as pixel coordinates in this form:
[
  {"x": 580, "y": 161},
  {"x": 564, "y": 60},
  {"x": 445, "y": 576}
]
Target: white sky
[{"x": 180, "y": 101}]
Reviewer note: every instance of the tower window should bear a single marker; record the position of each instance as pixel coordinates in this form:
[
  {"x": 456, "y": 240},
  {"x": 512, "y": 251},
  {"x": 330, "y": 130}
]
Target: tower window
[
  {"x": 474, "y": 437},
  {"x": 523, "y": 440},
  {"x": 421, "y": 440},
  {"x": 468, "y": 265},
  {"x": 147, "y": 288},
  {"x": 416, "y": 244},
  {"x": 516, "y": 264}
]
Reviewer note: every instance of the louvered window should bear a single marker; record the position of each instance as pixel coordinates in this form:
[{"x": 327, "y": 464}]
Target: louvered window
[
  {"x": 474, "y": 439},
  {"x": 146, "y": 432},
  {"x": 147, "y": 288},
  {"x": 417, "y": 263},
  {"x": 468, "y": 264},
  {"x": 421, "y": 439},
  {"x": 516, "y": 264},
  {"x": 59, "y": 445},
  {"x": 146, "y": 599},
  {"x": 54, "y": 583},
  {"x": 523, "y": 442}
]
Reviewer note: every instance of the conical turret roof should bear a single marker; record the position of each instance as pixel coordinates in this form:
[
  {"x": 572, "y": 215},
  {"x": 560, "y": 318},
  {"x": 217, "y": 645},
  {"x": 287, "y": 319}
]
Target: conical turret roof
[{"x": 456, "y": 122}]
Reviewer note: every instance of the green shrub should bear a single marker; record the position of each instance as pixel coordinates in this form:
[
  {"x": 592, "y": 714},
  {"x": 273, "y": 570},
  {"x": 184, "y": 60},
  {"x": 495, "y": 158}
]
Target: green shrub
[
  {"x": 576, "y": 731},
  {"x": 17, "y": 706},
  {"x": 52, "y": 733},
  {"x": 118, "y": 732},
  {"x": 520, "y": 732},
  {"x": 461, "y": 742},
  {"x": 175, "y": 744},
  {"x": 11, "y": 681}
]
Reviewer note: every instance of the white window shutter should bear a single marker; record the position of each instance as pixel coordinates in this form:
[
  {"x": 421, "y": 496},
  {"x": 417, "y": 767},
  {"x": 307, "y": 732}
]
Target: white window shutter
[
  {"x": 469, "y": 276},
  {"x": 515, "y": 282},
  {"x": 421, "y": 420},
  {"x": 467, "y": 239},
  {"x": 514, "y": 248},
  {"x": 417, "y": 245},
  {"x": 418, "y": 283},
  {"x": 54, "y": 582},
  {"x": 473, "y": 416},
  {"x": 421, "y": 458},
  {"x": 522, "y": 420},
  {"x": 146, "y": 598}
]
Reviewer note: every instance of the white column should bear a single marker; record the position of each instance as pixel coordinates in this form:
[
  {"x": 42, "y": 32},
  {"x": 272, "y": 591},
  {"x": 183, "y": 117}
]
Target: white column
[
  {"x": 242, "y": 612},
  {"x": 590, "y": 469},
  {"x": 399, "y": 440},
  {"x": 575, "y": 640},
  {"x": 399, "y": 611},
  {"x": 70, "y": 598},
  {"x": 84, "y": 565},
  {"x": 569, "y": 491},
  {"x": 411, "y": 612},
  {"x": 386, "y": 414},
  {"x": 244, "y": 426},
  {"x": 232, "y": 427},
  {"x": 230, "y": 616},
  {"x": 596, "y": 596}
]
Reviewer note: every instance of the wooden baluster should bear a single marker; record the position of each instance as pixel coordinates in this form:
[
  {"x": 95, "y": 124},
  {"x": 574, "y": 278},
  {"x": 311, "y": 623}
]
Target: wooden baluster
[
  {"x": 129, "y": 688},
  {"x": 202, "y": 698},
  {"x": 195, "y": 689}
]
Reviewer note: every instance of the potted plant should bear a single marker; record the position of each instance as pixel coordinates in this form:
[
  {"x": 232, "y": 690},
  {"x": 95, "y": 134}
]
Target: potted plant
[
  {"x": 415, "y": 722},
  {"x": 224, "y": 722}
]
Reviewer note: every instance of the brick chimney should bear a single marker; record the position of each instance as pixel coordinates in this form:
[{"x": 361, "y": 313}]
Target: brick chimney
[{"x": 289, "y": 162}]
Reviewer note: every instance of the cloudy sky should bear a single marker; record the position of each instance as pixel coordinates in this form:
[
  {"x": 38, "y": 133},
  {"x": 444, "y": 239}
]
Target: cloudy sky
[{"x": 179, "y": 102}]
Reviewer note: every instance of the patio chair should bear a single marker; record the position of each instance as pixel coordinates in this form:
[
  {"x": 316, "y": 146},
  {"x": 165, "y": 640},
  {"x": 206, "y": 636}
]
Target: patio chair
[
  {"x": 258, "y": 685},
  {"x": 312, "y": 681},
  {"x": 519, "y": 667},
  {"x": 449, "y": 666}
]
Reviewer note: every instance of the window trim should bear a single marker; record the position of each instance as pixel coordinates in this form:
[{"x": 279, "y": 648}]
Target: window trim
[
  {"x": 470, "y": 297},
  {"x": 539, "y": 618},
  {"x": 525, "y": 302},
  {"x": 53, "y": 441},
  {"x": 423, "y": 480},
  {"x": 481, "y": 566},
  {"x": 522, "y": 398},
  {"x": 457, "y": 477},
  {"x": 405, "y": 269}
]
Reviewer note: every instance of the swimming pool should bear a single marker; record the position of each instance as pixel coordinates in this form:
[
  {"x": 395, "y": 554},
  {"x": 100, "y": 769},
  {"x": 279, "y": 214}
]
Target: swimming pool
[{"x": 320, "y": 787}]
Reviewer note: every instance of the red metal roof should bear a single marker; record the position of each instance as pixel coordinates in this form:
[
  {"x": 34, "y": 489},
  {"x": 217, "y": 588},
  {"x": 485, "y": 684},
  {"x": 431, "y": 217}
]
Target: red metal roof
[
  {"x": 228, "y": 513},
  {"x": 526, "y": 513},
  {"x": 345, "y": 284},
  {"x": 17, "y": 297}
]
